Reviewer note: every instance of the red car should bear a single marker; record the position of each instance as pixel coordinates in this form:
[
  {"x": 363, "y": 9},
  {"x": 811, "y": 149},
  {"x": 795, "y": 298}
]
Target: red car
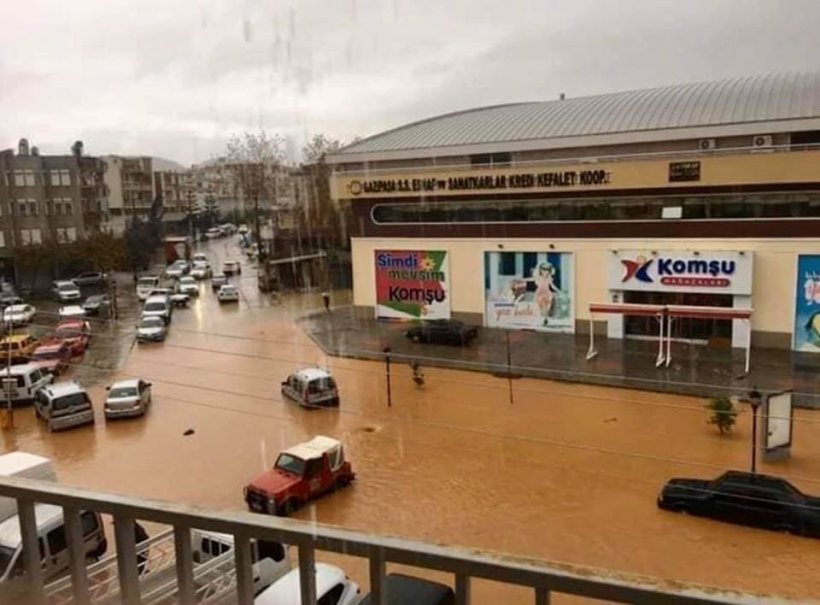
[
  {"x": 301, "y": 473},
  {"x": 75, "y": 333},
  {"x": 52, "y": 356}
]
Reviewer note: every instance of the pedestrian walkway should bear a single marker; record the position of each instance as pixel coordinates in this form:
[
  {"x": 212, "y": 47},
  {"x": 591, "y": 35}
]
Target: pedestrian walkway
[{"x": 695, "y": 370}]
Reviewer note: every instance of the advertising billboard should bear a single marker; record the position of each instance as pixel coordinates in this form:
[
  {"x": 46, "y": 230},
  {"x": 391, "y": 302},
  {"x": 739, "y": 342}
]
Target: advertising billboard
[
  {"x": 707, "y": 271},
  {"x": 529, "y": 290},
  {"x": 412, "y": 284},
  {"x": 807, "y": 304},
  {"x": 778, "y": 421}
]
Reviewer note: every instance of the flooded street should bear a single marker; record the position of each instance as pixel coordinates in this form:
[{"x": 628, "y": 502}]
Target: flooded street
[{"x": 568, "y": 473}]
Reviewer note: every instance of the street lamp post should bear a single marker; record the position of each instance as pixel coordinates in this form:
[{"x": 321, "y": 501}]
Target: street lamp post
[
  {"x": 755, "y": 399},
  {"x": 386, "y": 352}
]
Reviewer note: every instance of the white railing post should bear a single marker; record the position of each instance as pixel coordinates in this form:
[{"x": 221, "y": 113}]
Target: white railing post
[
  {"x": 307, "y": 574},
  {"x": 244, "y": 569},
  {"x": 377, "y": 570},
  {"x": 462, "y": 589},
  {"x": 542, "y": 596},
  {"x": 184, "y": 564},
  {"x": 76, "y": 555},
  {"x": 31, "y": 548},
  {"x": 127, "y": 560}
]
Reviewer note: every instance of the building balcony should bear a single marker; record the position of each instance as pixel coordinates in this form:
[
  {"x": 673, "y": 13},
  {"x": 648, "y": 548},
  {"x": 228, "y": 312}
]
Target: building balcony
[{"x": 174, "y": 574}]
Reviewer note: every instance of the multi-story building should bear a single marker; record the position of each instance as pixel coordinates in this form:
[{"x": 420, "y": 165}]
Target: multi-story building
[
  {"x": 47, "y": 199},
  {"x": 218, "y": 182},
  {"x": 135, "y": 183}
]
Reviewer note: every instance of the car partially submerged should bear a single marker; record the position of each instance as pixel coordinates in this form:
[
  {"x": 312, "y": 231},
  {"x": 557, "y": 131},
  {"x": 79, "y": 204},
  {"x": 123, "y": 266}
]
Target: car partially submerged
[
  {"x": 127, "y": 398},
  {"x": 400, "y": 589},
  {"x": 442, "y": 331},
  {"x": 311, "y": 387},
  {"x": 76, "y": 333},
  {"x": 52, "y": 356},
  {"x": 301, "y": 473},
  {"x": 151, "y": 329}
]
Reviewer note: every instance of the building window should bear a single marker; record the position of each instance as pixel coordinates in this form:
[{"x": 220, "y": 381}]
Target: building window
[
  {"x": 2, "y": 239},
  {"x": 29, "y": 237},
  {"x": 489, "y": 160},
  {"x": 69, "y": 207},
  {"x": 22, "y": 208},
  {"x": 32, "y": 208},
  {"x": 55, "y": 178},
  {"x": 19, "y": 178},
  {"x": 60, "y": 178},
  {"x": 29, "y": 178}
]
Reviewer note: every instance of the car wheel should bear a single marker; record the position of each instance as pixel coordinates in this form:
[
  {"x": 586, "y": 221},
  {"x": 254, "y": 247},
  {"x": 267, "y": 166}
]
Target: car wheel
[
  {"x": 341, "y": 483},
  {"x": 785, "y": 528},
  {"x": 287, "y": 507}
]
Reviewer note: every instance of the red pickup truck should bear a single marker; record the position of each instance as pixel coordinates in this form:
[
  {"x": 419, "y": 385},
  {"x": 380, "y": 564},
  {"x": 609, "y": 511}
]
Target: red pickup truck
[{"x": 301, "y": 473}]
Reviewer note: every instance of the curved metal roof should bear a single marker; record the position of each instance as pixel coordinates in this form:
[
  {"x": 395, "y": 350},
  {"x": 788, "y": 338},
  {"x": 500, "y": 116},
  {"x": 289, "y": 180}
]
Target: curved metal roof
[{"x": 765, "y": 98}]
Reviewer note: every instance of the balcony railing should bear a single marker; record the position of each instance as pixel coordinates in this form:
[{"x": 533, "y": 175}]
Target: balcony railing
[{"x": 543, "y": 579}]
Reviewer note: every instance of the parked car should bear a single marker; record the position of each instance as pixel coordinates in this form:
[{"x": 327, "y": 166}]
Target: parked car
[
  {"x": 747, "y": 499},
  {"x": 51, "y": 538},
  {"x": 9, "y": 299},
  {"x": 311, "y": 387},
  {"x": 151, "y": 329},
  {"x": 201, "y": 271},
  {"x": 301, "y": 473},
  {"x": 145, "y": 285},
  {"x": 177, "y": 269},
  {"x": 21, "y": 381},
  {"x": 18, "y": 315},
  {"x": 158, "y": 306},
  {"x": 227, "y": 228},
  {"x": 332, "y": 586},
  {"x": 228, "y": 293},
  {"x": 90, "y": 278},
  {"x": 217, "y": 281},
  {"x": 231, "y": 267},
  {"x": 52, "y": 356},
  {"x": 442, "y": 331},
  {"x": 66, "y": 291},
  {"x": 63, "y": 405},
  {"x": 187, "y": 285},
  {"x": 71, "y": 311},
  {"x": 407, "y": 590},
  {"x": 242, "y": 229},
  {"x": 76, "y": 333},
  {"x": 18, "y": 347},
  {"x": 98, "y": 304},
  {"x": 127, "y": 398},
  {"x": 199, "y": 257}
]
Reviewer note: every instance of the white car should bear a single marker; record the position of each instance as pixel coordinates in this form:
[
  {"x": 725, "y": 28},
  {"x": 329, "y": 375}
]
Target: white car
[
  {"x": 18, "y": 315},
  {"x": 228, "y": 293},
  {"x": 187, "y": 285},
  {"x": 66, "y": 291},
  {"x": 201, "y": 271},
  {"x": 243, "y": 229},
  {"x": 332, "y": 586},
  {"x": 213, "y": 233},
  {"x": 146, "y": 285},
  {"x": 127, "y": 398},
  {"x": 177, "y": 269},
  {"x": 67, "y": 311},
  {"x": 199, "y": 257},
  {"x": 231, "y": 267}
]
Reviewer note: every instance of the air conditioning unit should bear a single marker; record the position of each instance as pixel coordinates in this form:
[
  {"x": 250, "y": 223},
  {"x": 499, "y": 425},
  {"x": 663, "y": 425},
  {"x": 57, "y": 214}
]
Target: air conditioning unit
[
  {"x": 762, "y": 142},
  {"x": 707, "y": 144}
]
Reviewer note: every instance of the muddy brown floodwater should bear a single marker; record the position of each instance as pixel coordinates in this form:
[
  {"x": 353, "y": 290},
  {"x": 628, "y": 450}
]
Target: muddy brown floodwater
[{"x": 568, "y": 473}]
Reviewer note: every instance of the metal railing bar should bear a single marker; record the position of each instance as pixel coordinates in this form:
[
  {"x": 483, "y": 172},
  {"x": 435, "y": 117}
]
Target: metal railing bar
[
  {"x": 76, "y": 553},
  {"x": 307, "y": 575},
  {"x": 244, "y": 570},
  {"x": 377, "y": 584},
  {"x": 31, "y": 548},
  {"x": 126, "y": 559},
  {"x": 462, "y": 589},
  {"x": 184, "y": 564}
]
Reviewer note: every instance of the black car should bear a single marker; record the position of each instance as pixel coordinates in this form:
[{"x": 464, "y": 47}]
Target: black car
[
  {"x": 407, "y": 590},
  {"x": 442, "y": 331},
  {"x": 97, "y": 304},
  {"x": 90, "y": 278},
  {"x": 747, "y": 499}
]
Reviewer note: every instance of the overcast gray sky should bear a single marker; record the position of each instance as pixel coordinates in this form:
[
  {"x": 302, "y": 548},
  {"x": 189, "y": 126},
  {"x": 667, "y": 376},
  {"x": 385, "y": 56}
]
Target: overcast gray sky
[{"x": 174, "y": 79}]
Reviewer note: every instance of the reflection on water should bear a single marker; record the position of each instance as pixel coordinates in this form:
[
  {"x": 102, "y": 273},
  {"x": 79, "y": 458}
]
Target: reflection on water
[{"x": 452, "y": 463}]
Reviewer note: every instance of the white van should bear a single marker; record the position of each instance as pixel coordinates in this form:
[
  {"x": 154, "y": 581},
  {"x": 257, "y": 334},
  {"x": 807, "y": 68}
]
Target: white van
[
  {"x": 64, "y": 405},
  {"x": 270, "y": 559},
  {"x": 312, "y": 387},
  {"x": 27, "y": 466},
  {"x": 22, "y": 381},
  {"x": 145, "y": 285},
  {"x": 51, "y": 534}
]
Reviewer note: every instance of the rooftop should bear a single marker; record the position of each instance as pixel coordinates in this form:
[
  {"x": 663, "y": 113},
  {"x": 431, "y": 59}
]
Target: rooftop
[
  {"x": 747, "y": 105},
  {"x": 314, "y": 448}
]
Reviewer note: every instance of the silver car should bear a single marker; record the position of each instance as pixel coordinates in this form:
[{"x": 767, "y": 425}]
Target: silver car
[
  {"x": 151, "y": 329},
  {"x": 187, "y": 285},
  {"x": 127, "y": 398}
]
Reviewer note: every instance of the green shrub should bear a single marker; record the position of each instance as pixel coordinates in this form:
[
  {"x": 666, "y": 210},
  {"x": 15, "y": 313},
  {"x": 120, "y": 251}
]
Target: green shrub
[{"x": 723, "y": 413}]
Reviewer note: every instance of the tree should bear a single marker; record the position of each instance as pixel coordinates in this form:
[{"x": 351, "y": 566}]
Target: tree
[
  {"x": 77, "y": 149},
  {"x": 723, "y": 413},
  {"x": 255, "y": 161},
  {"x": 317, "y": 147}
]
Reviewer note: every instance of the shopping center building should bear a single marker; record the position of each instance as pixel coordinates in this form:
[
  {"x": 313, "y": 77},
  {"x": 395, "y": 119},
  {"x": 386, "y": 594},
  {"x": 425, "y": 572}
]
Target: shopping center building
[{"x": 561, "y": 215}]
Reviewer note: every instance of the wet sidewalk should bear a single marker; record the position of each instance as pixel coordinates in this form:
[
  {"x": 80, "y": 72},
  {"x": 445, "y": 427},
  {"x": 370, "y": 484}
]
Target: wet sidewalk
[{"x": 694, "y": 370}]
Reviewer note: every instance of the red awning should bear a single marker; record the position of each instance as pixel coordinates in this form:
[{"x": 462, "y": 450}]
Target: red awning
[
  {"x": 626, "y": 308},
  {"x": 708, "y": 312}
]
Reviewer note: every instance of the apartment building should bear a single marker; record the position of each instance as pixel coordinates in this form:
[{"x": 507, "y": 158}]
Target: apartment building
[
  {"x": 136, "y": 182},
  {"x": 47, "y": 198}
]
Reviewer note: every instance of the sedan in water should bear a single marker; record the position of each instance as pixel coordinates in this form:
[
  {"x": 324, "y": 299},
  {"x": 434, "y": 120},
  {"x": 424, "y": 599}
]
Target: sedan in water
[
  {"x": 151, "y": 328},
  {"x": 442, "y": 331},
  {"x": 218, "y": 280},
  {"x": 187, "y": 285},
  {"x": 52, "y": 356},
  {"x": 127, "y": 398},
  {"x": 90, "y": 278},
  {"x": 97, "y": 304},
  {"x": 17, "y": 315},
  {"x": 228, "y": 293},
  {"x": 747, "y": 499}
]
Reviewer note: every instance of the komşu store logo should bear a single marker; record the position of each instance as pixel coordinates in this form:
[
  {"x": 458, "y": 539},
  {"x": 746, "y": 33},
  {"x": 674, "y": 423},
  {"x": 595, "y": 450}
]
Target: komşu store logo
[
  {"x": 679, "y": 271},
  {"x": 412, "y": 284}
]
